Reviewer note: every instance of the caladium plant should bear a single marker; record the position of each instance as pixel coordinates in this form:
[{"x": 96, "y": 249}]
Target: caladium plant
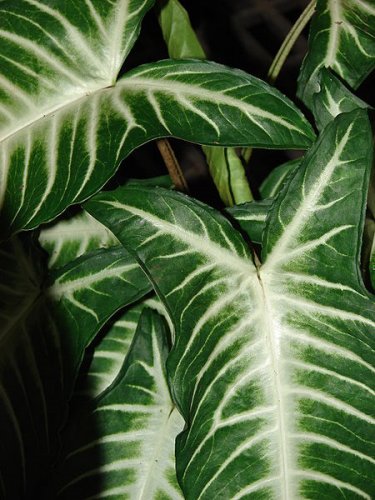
[{"x": 152, "y": 346}]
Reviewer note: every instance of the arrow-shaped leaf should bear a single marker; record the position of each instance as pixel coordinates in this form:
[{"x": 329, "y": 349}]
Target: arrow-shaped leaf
[
  {"x": 69, "y": 239},
  {"x": 273, "y": 368},
  {"x": 43, "y": 334},
  {"x": 124, "y": 442},
  {"x": 342, "y": 38},
  {"x": 66, "y": 123},
  {"x": 107, "y": 355}
]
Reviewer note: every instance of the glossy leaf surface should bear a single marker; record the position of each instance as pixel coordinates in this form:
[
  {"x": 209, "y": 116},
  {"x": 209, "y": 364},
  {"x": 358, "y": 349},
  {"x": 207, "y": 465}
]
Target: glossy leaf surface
[
  {"x": 60, "y": 100},
  {"x": 123, "y": 445},
  {"x": 44, "y": 332},
  {"x": 342, "y": 38},
  {"x": 332, "y": 99},
  {"x": 225, "y": 166},
  {"x": 273, "y": 367}
]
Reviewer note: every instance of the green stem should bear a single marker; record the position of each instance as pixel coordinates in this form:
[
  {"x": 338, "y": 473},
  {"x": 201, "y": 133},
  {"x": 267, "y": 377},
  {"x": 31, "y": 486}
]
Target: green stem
[{"x": 289, "y": 41}]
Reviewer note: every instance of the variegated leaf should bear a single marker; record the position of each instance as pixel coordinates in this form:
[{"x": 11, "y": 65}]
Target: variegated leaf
[
  {"x": 44, "y": 331},
  {"x": 74, "y": 236},
  {"x": 342, "y": 38},
  {"x": 275, "y": 180},
  {"x": 273, "y": 366},
  {"x": 332, "y": 99},
  {"x": 71, "y": 238},
  {"x": 122, "y": 445},
  {"x": 107, "y": 354},
  {"x": 66, "y": 122},
  {"x": 225, "y": 166},
  {"x": 252, "y": 217},
  {"x": 88, "y": 291},
  {"x": 57, "y": 59}
]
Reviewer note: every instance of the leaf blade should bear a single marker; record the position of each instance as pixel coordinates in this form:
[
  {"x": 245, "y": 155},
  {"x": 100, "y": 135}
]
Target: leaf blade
[
  {"x": 342, "y": 38},
  {"x": 277, "y": 361},
  {"x": 44, "y": 332},
  {"x": 132, "y": 450},
  {"x": 138, "y": 108}
]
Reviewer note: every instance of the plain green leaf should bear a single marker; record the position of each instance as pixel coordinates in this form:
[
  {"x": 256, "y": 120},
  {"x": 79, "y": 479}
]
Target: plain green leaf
[
  {"x": 179, "y": 36},
  {"x": 228, "y": 174},
  {"x": 273, "y": 367}
]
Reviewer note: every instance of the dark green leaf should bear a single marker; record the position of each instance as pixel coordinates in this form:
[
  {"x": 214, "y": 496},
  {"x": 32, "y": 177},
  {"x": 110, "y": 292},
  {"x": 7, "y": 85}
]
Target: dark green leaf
[
  {"x": 342, "y": 38},
  {"x": 273, "y": 367}
]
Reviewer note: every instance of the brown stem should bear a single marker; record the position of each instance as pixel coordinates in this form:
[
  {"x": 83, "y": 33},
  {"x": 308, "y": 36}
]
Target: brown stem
[{"x": 172, "y": 165}]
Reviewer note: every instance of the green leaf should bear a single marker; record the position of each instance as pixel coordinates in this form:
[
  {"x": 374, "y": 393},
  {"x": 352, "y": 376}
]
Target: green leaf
[
  {"x": 179, "y": 36},
  {"x": 342, "y": 38},
  {"x": 228, "y": 174},
  {"x": 124, "y": 441},
  {"x": 252, "y": 217},
  {"x": 275, "y": 180},
  {"x": 75, "y": 236},
  {"x": 92, "y": 288},
  {"x": 60, "y": 100},
  {"x": 57, "y": 60},
  {"x": 43, "y": 334},
  {"x": 107, "y": 355},
  {"x": 372, "y": 263},
  {"x": 225, "y": 166},
  {"x": 332, "y": 99},
  {"x": 273, "y": 367},
  {"x": 71, "y": 238}
]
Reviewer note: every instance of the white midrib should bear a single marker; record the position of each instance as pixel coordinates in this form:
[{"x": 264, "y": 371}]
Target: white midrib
[
  {"x": 137, "y": 83},
  {"x": 147, "y": 490},
  {"x": 306, "y": 208},
  {"x": 272, "y": 331},
  {"x": 71, "y": 100},
  {"x": 334, "y": 33},
  {"x": 216, "y": 253},
  {"x": 60, "y": 288}
]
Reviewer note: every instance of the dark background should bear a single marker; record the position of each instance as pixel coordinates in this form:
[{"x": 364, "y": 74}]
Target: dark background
[{"x": 245, "y": 34}]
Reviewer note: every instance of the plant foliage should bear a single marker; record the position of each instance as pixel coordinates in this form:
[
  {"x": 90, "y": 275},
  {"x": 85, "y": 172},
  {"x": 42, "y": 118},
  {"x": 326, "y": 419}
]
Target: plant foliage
[{"x": 152, "y": 346}]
